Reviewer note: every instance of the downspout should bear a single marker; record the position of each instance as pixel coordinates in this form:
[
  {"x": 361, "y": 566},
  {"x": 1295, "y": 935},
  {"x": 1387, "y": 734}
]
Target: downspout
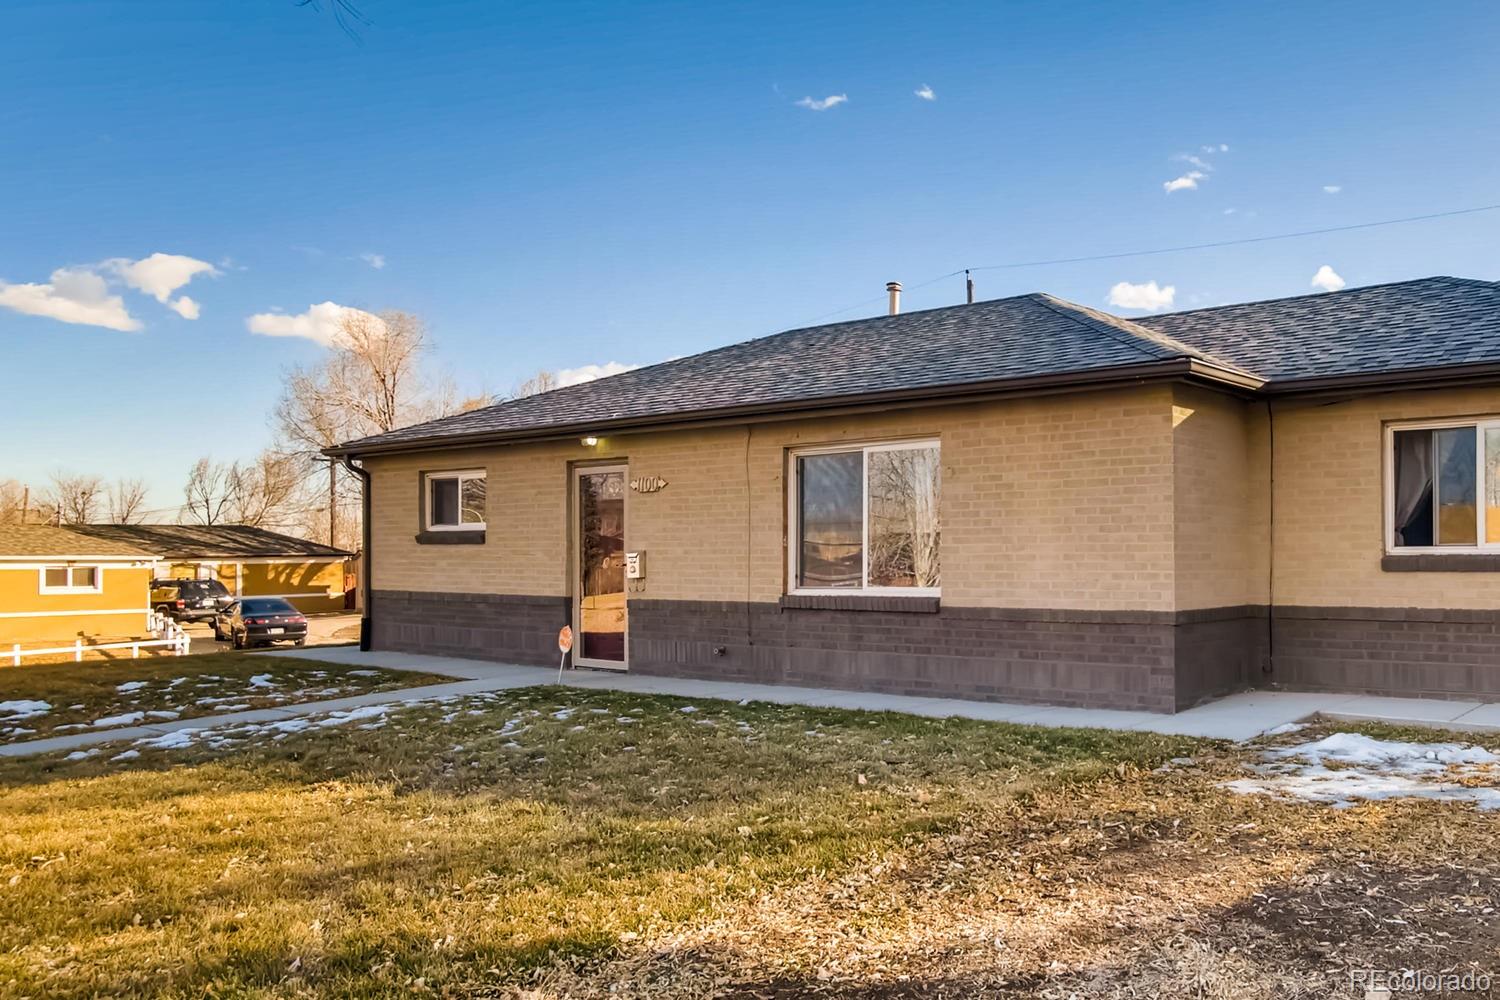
[
  {"x": 1268, "y": 666},
  {"x": 367, "y": 578}
]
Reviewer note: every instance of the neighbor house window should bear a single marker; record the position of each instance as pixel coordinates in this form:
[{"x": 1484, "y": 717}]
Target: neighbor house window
[
  {"x": 866, "y": 519},
  {"x": 455, "y": 501},
  {"x": 1444, "y": 486},
  {"x": 70, "y": 580}
]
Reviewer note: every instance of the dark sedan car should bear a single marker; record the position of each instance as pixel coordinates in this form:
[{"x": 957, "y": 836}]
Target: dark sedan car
[{"x": 256, "y": 621}]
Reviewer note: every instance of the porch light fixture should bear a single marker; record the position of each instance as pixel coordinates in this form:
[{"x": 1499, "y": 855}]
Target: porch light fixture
[{"x": 589, "y": 441}]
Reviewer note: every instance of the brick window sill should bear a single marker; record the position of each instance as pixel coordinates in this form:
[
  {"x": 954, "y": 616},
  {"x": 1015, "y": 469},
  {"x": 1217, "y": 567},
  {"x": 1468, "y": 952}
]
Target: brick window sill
[
  {"x": 859, "y": 602},
  {"x": 1470, "y": 562},
  {"x": 450, "y": 538}
]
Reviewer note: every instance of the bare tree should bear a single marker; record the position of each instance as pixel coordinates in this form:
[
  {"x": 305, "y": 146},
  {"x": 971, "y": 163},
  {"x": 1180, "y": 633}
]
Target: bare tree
[
  {"x": 373, "y": 379},
  {"x": 127, "y": 501},
  {"x": 542, "y": 381},
  {"x": 208, "y": 497},
  {"x": 12, "y": 502},
  {"x": 75, "y": 499},
  {"x": 268, "y": 491}
]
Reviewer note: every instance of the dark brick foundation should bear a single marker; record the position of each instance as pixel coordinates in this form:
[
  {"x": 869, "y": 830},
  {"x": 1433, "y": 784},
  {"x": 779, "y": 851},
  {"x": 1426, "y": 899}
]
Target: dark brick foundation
[
  {"x": 513, "y": 628},
  {"x": 1139, "y": 660},
  {"x": 1157, "y": 661},
  {"x": 1408, "y": 652}
]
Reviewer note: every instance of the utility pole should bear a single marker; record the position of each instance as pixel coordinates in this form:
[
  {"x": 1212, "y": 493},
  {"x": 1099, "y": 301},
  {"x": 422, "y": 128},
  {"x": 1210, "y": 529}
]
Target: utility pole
[
  {"x": 25, "y": 503},
  {"x": 333, "y": 503}
]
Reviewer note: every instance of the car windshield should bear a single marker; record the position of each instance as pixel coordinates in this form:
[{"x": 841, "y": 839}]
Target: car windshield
[
  {"x": 204, "y": 588},
  {"x": 267, "y": 606}
]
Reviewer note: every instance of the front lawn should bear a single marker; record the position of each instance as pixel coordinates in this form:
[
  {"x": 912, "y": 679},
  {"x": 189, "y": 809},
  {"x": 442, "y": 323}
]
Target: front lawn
[
  {"x": 552, "y": 842},
  {"x": 56, "y": 699}
]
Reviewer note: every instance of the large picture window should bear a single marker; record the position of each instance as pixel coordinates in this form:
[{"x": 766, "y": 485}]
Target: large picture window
[
  {"x": 865, "y": 519},
  {"x": 1444, "y": 487},
  {"x": 455, "y": 501}
]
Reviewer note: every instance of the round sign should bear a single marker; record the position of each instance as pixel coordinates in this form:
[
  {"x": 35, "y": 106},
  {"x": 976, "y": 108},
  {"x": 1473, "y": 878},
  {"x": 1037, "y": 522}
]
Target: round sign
[{"x": 565, "y": 638}]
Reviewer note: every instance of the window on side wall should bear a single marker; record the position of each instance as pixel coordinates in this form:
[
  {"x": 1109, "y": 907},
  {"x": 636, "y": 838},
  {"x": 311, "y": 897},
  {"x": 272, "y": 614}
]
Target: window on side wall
[
  {"x": 865, "y": 520},
  {"x": 70, "y": 580},
  {"x": 455, "y": 501},
  {"x": 1443, "y": 487}
]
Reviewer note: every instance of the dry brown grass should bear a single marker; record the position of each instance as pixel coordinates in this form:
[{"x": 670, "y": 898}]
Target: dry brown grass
[{"x": 778, "y": 852}]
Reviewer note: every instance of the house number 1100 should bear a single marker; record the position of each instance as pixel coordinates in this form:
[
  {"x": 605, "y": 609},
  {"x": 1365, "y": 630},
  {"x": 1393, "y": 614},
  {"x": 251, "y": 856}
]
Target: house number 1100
[{"x": 648, "y": 484}]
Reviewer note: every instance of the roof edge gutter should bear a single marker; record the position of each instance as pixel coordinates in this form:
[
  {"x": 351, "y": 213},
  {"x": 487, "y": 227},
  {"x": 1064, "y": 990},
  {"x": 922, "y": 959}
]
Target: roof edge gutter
[
  {"x": 1170, "y": 370},
  {"x": 1435, "y": 377}
]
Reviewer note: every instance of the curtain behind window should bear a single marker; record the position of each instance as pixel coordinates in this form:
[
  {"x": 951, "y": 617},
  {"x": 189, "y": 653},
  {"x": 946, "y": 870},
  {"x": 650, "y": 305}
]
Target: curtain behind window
[{"x": 1413, "y": 513}]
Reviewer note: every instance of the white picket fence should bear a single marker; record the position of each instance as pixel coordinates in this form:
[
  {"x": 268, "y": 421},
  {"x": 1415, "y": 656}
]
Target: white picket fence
[{"x": 170, "y": 637}]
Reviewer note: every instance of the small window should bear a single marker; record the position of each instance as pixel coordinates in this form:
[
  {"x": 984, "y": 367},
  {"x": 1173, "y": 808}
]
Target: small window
[
  {"x": 1444, "y": 487},
  {"x": 70, "y": 579},
  {"x": 866, "y": 520},
  {"x": 455, "y": 501}
]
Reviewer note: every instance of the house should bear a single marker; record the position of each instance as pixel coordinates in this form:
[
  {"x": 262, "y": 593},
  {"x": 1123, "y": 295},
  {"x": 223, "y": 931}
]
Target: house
[
  {"x": 58, "y": 585},
  {"x": 249, "y": 561},
  {"x": 1020, "y": 499}
]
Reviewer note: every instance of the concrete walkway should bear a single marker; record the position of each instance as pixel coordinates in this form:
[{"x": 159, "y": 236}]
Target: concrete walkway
[{"x": 1237, "y": 717}]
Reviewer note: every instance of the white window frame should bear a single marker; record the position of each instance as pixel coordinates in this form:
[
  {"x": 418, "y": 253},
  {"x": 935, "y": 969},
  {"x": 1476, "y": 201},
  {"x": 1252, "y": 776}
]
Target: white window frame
[
  {"x": 462, "y": 476},
  {"x": 794, "y": 519},
  {"x": 97, "y": 588},
  {"x": 1388, "y": 461}
]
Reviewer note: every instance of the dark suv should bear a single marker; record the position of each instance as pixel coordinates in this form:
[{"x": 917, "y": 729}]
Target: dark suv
[{"x": 189, "y": 600}]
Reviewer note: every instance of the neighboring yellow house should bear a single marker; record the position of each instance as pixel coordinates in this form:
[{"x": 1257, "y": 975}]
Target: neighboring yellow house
[
  {"x": 250, "y": 562},
  {"x": 59, "y": 585}
]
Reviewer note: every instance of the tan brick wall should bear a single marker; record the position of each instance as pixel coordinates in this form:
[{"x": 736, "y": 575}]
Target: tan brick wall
[
  {"x": 1330, "y": 502},
  {"x": 1218, "y": 499},
  {"x": 1058, "y": 502}
]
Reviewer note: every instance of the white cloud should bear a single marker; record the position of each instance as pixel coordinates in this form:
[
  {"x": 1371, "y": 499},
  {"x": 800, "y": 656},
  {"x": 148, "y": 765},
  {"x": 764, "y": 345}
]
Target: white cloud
[
  {"x": 587, "y": 373},
  {"x": 74, "y": 295},
  {"x": 926, "y": 93},
  {"x": 184, "y": 307},
  {"x": 1332, "y": 188},
  {"x": 375, "y": 260},
  {"x": 1196, "y": 161},
  {"x": 1187, "y": 182},
  {"x": 160, "y": 274},
  {"x": 1230, "y": 211},
  {"x": 1212, "y": 148},
  {"x": 1327, "y": 279},
  {"x": 1148, "y": 296},
  {"x": 323, "y": 322},
  {"x": 831, "y": 101}
]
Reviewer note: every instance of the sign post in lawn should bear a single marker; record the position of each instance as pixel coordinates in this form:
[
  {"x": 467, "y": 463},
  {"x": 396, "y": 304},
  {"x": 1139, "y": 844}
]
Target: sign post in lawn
[{"x": 564, "y": 643}]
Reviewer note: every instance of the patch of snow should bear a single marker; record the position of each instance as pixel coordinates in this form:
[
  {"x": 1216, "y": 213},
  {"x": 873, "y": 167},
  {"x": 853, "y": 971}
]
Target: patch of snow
[
  {"x": 262, "y": 681},
  {"x": 130, "y": 686},
  {"x": 176, "y": 681},
  {"x": 163, "y": 713},
  {"x": 353, "y": 715},
  {"x": 364, "y": 673},
  {"x": 624, "y": 720},
  {"x": 1282, "y": 730},
  {"x": 233, "y": 708},
  {"x": 129, "y": 718},
  {"x": 15, "y": 711},
  {"x": 563, "y": 714},
  {"x": 1373, "y": 770},
  {"x": 170, "y": 741},
  {"x": 688, "y": 709},
  {"x": 578, "y": 729},
  {"x": 81, "y": 754},
  {"x": 127, "y": 755}
]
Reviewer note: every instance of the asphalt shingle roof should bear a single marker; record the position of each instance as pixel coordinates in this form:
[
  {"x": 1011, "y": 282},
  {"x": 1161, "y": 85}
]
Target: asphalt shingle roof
[
  {"x": 1415, "y": 324},
  {"x": 1427, "y": 323},
  {"x": 1025, "y": 336},
  {"x": 196, "y": 541},
  {"x": 46, "y": 540}
]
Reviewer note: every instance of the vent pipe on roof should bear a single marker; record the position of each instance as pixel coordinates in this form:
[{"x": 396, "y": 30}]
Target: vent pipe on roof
[{"x": 894, "y": 288}]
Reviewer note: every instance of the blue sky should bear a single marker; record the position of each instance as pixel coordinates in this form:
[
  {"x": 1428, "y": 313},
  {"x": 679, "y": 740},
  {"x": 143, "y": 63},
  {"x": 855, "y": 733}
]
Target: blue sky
[{"x": 564, "y": 184}]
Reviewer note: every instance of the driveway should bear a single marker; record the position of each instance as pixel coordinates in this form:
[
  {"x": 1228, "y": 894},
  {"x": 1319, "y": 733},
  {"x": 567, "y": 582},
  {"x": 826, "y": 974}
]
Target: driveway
[{"x": 322, "y": 630}]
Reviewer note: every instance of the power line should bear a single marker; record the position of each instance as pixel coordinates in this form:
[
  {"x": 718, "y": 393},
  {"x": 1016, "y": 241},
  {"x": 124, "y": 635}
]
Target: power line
[{"x": 1184, "y": 248}]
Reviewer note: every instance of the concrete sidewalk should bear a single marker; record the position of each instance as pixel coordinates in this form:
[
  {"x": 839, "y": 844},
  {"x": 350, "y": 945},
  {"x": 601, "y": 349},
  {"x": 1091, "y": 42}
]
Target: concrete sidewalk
[{"x": 1237, "y": 717}]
